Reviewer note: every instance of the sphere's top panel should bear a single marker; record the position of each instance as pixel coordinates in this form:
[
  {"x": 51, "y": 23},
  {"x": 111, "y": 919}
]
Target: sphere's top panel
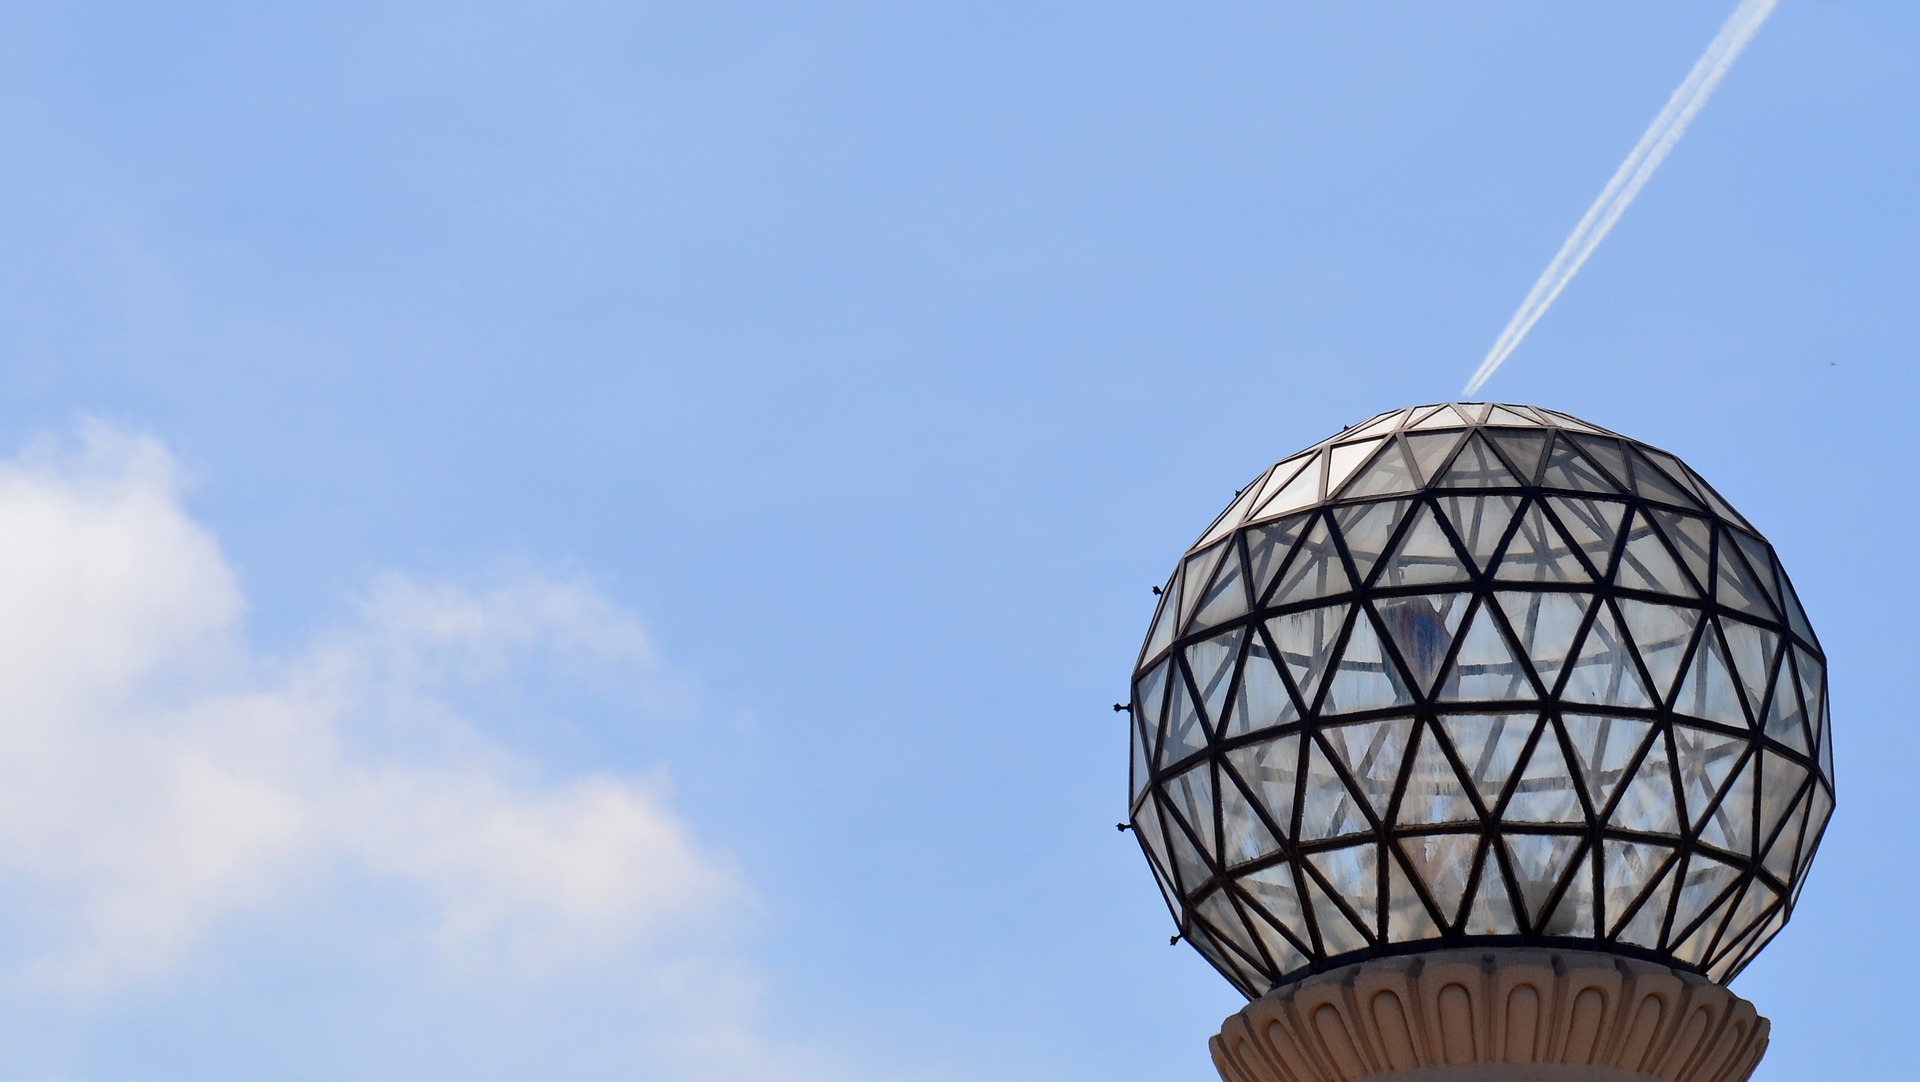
[
  {"x": 1365, "y": 460},
  {"x": 1479, "y": 673}
]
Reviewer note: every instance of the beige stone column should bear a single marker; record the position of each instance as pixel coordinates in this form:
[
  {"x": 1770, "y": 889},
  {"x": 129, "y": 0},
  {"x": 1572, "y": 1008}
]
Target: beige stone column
[{"x": 1495, "y": 1015}]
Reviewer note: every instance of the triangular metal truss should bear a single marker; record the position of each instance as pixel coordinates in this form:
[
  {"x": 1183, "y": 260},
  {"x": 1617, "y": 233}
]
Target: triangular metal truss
[{"x": 1479, "y": 673}]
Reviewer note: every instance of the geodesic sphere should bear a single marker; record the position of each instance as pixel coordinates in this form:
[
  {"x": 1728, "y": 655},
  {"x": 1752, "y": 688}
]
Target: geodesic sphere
[{"x": 1479, "y": 674}]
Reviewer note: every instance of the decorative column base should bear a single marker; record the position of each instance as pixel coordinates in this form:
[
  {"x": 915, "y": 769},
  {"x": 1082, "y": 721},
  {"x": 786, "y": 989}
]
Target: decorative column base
[{"x": 1495, "y": 1015}]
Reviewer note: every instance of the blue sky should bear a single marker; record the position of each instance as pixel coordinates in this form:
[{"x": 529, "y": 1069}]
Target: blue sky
[{"x": 593, "y": 540}]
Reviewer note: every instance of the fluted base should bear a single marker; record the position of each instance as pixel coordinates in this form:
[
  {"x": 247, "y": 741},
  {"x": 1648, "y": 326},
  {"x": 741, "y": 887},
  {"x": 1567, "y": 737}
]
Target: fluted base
[{"x": 1497, "y": 1015}]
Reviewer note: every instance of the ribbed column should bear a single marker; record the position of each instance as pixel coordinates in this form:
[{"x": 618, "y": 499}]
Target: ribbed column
[{"x": 1495, "y": 1015}]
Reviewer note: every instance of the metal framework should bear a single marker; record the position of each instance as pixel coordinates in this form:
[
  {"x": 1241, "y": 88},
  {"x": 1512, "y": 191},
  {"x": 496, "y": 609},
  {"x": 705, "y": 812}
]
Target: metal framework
[{"x": 1476, "y": 673}]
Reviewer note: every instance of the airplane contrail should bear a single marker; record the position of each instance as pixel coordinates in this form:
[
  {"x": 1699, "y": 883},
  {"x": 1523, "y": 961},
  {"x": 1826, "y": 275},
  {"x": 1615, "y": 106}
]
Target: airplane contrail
[{"x": 1665, "y": 131}]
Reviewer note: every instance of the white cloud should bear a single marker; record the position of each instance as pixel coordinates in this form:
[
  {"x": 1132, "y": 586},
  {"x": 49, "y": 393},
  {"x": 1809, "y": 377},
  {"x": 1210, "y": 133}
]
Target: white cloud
[{"x": 158, "y": 776}]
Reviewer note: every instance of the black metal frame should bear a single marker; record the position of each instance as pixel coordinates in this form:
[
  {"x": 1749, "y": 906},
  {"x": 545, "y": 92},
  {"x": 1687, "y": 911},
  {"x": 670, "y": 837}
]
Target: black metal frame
[{"x": 1367, "y": 721}]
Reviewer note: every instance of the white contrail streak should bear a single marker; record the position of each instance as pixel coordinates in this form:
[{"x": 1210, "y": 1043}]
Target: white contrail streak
[{"x": 1666, "y": 130}]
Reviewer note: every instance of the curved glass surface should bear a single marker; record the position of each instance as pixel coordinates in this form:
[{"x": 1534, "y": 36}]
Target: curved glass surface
[{"x": 1479, "y": 673}]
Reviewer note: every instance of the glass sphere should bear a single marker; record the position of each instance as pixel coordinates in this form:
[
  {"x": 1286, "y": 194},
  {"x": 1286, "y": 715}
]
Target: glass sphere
[{"x": 1485, "y": 674}]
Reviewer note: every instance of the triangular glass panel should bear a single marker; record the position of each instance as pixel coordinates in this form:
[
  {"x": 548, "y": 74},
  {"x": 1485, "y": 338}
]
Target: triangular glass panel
[
  {"x": 1644, "y": 925},
  {"x": 1185, "y": 732},
  {"x": 1603, "y": 671},
  {"x": 1443, "y": 862},
  {"x": 1328, "y": 809},
  {"x": 1813, "y": 694},
  {"x": 1521, "y": 449},
  {"x": 1372, "y": 752},
  {"x": 1729, "y": 967},
  {"x": 1707, "y": 692},
  {"x": 1434, "y": 791},
  {"x": 1491, "y": 911},
  {"x": 1826, "y": 752},
  {"x": 1572, "y": 915},
  {"x": 1473, "y": 411},
  {"x": 1195, "y": 573},
  {"x": 1164, "y": 619},
  {"x": 1753, "y": 650},
  {"x": 1717, "y": 505},
  {"x": 1271, "y": 771},
  {"x": 1190, "y": 796},
  {"x": 1625, "y": 871},
  {"x": 1367, "y": 529},
  {"x": 1539, "y": 552},
  {"x": 1306, "y": 640},
  {"x": 1388, "y": 474},
  {"x": 1202, "y": 938},
  {"x": 1424, "y": 555},
  {"x": 1604, "y": 747},
  {"x": 1262, "y": 700},
  {"x": 1407, "y": 916},
  {"x": 1300, "y": 491},
  {"x": 1546, "y": 624},
  {"x": 1235, "y": 514},
  {"x": 1707, "y": 882},
  {"x": 1430, "y": 450},
  {"x": 1594, "y": 526},
  {"x": 1139, "y": 773},
  {"x": 1781, "y": 781},
  {"x": 1276, "y": 894},
  {"x": 1226, "y": 598},
  {"x": 1786, "y": 719},
  {"x": 1377, "y": 426},
  {"x": 1286, "y": 955},
  {"x": 1501, "y": 415},
  {"x": 1661, "y": 634},
  {"x": 1545, "y": 791},
  {"x": 1422, "y": 629},
  {"x": 1338, "y": 932},
  {"x": 1539, "y": 861},
  {"x": 1268, "y": 548},
  {"x": 1647, "y": 564},
  {"x": 1316, "y": 570},
  {"x": 1568, "y": 469},
  {"x": 1729, "y": 825},
  {"x": 1737, "y": 588},
  {"x": 1572, "y": 423},
  {"x": 1648, "y": 804},
  {"x": 1760, "y": 561},
  {"x": 1785, "y": 845},
  {"x": 1438, "y": 417},
  {"x": 1489, "y": 746},
  {"x": 1244, "y": 836},
  {"x": 1211, "y": 661},
  {"x": 1656, "y": 486},
  {"x": 1344, "y": 458},
  {"x": 1183, "y": 845},
  {"x": 1476, "y": 466},
  {"x": 1796, "y": 616},
  {"x": 1820, "y": 810},
  {"x": 1692, "y": 538},
  {"x": 1480, "y": 522},
  {"x": 1485, "y": 667},
  {"x": 1365, "y": 678},
  {"x": 1352, "y": 872},
  {"x": 1748, "y": 914},
  {"x": 1705, "y": 759},
  {"x": 1149, "y": 699},
  {"x": 1153, "y": 839},
  {"x": 1608, "y": 454},
  {"x": 1690, "y": 947},
  {"x": 1675, "y": 472},
  {"x": 1218, "y": 911}
]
